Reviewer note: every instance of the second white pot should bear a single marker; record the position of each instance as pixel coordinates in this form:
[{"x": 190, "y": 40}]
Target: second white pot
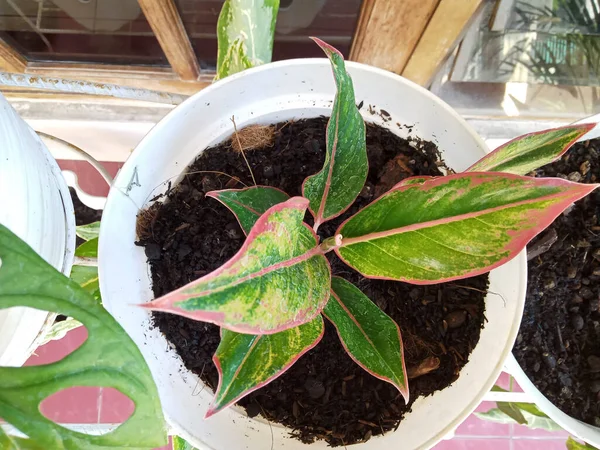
[{"x": 277, "y": 92}]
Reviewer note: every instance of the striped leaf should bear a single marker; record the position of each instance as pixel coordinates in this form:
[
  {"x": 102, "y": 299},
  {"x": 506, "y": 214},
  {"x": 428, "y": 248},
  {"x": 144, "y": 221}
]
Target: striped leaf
[
  {"x": 248, "y": 204},
  {"x": 181, "y": 444},
  {"x": 452, "y": 227},
  {"x": 89, "y": 231},
  {"x": 531, "y": 151},
  {"x": 87, "y": 278},
  {"x": 245, "y": 33},
  {"x": 248, "y": 362},
  {"x": 332, "y": 190},
  {"x": 370, "y": 336},
  {"x": 278, "y": 280}
]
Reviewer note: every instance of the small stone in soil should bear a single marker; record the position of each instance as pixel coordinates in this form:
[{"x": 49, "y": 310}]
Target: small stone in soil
[
  {"x": 152, "y": 251},
  {"x": 577, "y": 322},
  {"x": 314, "y": 388}
]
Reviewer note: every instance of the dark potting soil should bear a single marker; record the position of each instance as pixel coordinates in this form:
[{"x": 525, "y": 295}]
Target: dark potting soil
[
  {"x": 558, "y": 345},
  {"x": 325, "y": 394}
]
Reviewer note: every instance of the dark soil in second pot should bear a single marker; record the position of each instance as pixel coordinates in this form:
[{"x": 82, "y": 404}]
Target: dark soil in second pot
[
  {"x": 325, "y": 395},
  {"x": 558, "y": 345}
]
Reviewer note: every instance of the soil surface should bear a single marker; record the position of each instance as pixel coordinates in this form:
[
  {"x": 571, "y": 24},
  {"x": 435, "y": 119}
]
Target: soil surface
[
  {"x": 558, "y": 344},
  {"x": 325, "y": 395}
]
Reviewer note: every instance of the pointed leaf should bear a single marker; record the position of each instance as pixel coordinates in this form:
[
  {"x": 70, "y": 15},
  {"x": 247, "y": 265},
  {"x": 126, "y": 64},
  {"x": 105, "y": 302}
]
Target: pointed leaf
[
  {"x": 512, "y": 411},
  {"x": 249, "y": 204},
  {"x": 531, "y": 151},
  {"x": 370, "y": 336},
  {"x": 245, "y": 32},
  {"x": 279, "y": 279},
  {"x": 89, "y": 231},
  {"x": 108, "y": 358},
  {"x": 572, "y": 444},
  {"x": 248, "y": 362},
  {"x": 60, "y": 329},
  {"x": 452, "y": 227},
  {"x": 181, "y": 444},
  {"x": 88, "y": 249},
  {"x": 87, "y": 278},
  {"x": 332, "y": 190}
]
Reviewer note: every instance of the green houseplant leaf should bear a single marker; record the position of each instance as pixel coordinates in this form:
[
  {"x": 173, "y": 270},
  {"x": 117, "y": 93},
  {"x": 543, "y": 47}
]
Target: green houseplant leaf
[
  {"x": 572, "y": 444},
  {"x": 452, "y": 227},
  {"x": 371, "y": 337},
  {"x": 181, "y": 444},
  {"x": 89, "y": 231},
  {"x": 248, "y": 204},
  {"x": 531, "y": 151},
  {"x": 279, "y": 279},
  {"x": 107, "y": 358},
  {"x": 335, "y": 187},
  {"x": 60, "y": 329},
  {"x": 88, "y": 249},
  {"x": 87, "y": 278},
  {"x": 247, "y": 362},
  {"x": 245, "y": 33}
]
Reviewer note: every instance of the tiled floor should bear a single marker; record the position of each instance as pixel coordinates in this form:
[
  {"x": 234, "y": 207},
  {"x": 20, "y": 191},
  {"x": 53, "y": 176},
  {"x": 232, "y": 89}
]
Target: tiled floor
[{"x": 102, "y": 405}]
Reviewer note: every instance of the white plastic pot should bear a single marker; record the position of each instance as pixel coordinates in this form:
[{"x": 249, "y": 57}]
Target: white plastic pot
[
  {"x": 583, "y": 431},
  {"x": 272, "y": 93},
  {"x": 36, "y": 205}
]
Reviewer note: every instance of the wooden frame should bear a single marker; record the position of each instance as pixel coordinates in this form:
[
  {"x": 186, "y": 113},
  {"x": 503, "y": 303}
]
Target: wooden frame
[{"x": 11, "y": 60}]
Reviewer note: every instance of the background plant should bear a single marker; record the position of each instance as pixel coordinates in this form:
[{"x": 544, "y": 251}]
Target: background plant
[{"x": 270, "y": 296}]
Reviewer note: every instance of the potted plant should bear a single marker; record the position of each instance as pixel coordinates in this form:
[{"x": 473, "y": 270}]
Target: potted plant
[
  {"x": 279, "y": 94},
  {"x": 561, "y": 310}
]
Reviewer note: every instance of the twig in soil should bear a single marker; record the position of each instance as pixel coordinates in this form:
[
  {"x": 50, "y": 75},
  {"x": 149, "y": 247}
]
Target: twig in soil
[
  {"x": 542, "y": 245},
  {"x": 426, "y": 366},
  {"x": 560, "y": 339},
  {"x": 268, "y": 421},
  {"x": 241, "y": 149},
  {"x": 144, "y": 224},
  {"x": 480, "y": 290}
]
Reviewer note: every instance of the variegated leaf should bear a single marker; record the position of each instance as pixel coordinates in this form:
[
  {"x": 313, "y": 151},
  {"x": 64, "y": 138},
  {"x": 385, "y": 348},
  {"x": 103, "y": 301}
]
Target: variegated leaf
[
  {"x": 245, "y": 32},
  {"x": 370, "y": 336},
  {"x": 88, "y": 249},
  {"x": 334, "y": 188},
  {"x": 89, "y": 231},
  {"x": 181, "y": 444},
  {"x": 278, "y": 280},
  {"x": 248, "y": 204},
  {"x": 572, "y": 444},
  {"x": 452, "y": 227},
  {"x": 248, "y": 362},
  {"x": 87, "y": 278},
  {"x": 531, "y": 151}
]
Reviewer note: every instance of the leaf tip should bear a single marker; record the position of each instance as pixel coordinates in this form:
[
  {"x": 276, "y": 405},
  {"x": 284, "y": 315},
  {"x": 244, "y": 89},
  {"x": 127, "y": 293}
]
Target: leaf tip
[{"x": 327, "y": 48}]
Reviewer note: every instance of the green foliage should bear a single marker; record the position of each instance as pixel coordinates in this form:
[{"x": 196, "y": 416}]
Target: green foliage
[
  {"x": 181, "y": 444},
  {"x": 520, "y": 413},
  {"x": 251, "y": 293},
  {"x": 89, "y": 231},
  {"x": 245, "y": 33},
  {"x": 370, "y": 336},
  {"x": 530, "y": 151},
  {"x": 248, "y": 204},
  {"x": 88, "y": 249},
  {"x": 335, "y": 187},
  {"x": 572, "y": 444},
  {"x": 246, "y": 362},
  {"x": 87, "y": 278},
  {"x": 107, "y": 358},
  {"x": 452, "y": 227}
]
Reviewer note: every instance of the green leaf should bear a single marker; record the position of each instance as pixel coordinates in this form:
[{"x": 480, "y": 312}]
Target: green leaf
[
  {"x": 371, "y": 337},
  {"x": 248, "y": 204},
  {"x": 247, "y": 362},
  {"x": 279, "y": 279},
  {"x": 88, "y": 249},
  {"x": 572, "y": 444},
  {"x": 108, "y": 358},
  {"x": 245, "y": 33},
  {"x": 332, "y": 190},
  {"x": 60, "y": 329},
  {"x": 87, "y": 278},
  {"x": 8, "y": 442},
  {"x": 452, "y": 227},
  {"x": 512, "y": 411},
  {"x": 531, "y": 151},
  {"x": 526, "y": 414},
  {"x": 181, "y": 444},
  {"x": 89, "y": 231}
]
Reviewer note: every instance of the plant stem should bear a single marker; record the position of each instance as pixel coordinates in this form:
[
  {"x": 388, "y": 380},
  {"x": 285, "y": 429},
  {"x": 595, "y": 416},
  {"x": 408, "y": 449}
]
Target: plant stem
[{"x": 330, "y": 243}]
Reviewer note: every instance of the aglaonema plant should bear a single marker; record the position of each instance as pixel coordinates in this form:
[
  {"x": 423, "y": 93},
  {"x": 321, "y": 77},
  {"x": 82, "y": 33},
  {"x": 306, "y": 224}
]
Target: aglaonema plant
[{"x": 270, "y": 297}]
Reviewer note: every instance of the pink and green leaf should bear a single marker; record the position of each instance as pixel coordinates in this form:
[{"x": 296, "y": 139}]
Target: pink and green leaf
[
  {"x": 333, "y": 189},
  {"x": 452, "y": 227},
  {"x": 248, "y": 362},
  {"x": 531, "y": 151},
  {"x": 279, "y": 279},
  {"x": 370, "y": 336},
  {"x": 249, "y": 204}
]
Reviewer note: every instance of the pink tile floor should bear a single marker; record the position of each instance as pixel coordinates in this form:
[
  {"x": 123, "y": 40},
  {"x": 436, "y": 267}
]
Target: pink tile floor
[{"x": 102, "y": 405}]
